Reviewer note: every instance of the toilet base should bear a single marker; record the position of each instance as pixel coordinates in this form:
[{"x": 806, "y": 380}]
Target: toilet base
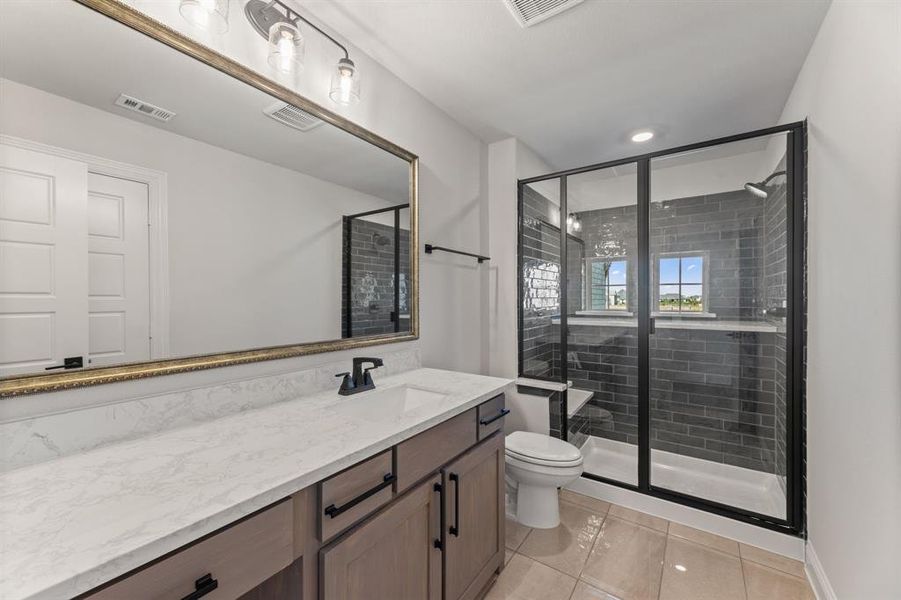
[{"x": 537, "y": 506}]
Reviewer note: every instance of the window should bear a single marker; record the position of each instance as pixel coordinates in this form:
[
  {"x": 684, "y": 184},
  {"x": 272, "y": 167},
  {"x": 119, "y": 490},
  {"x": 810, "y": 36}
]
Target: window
[
  {"x": 681, "y": 284},
  {"x": 607, "y": 284}
]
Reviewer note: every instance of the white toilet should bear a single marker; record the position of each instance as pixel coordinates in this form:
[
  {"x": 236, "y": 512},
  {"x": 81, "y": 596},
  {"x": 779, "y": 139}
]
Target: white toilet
[{"x": 538, "y": 464}]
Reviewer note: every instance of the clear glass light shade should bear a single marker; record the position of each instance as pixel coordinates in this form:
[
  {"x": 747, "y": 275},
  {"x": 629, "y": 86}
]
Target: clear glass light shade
[
  {"x": 345, "y": 87},
  {"x": 210, "y": 15},
  {"x": 286, "y": 47}
]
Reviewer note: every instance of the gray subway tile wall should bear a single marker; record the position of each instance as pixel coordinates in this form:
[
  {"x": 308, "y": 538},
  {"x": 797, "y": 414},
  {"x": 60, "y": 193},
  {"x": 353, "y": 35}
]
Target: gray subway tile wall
[
  {"x": 716, "y": 395},
  {"x": 370, "y": 247}
]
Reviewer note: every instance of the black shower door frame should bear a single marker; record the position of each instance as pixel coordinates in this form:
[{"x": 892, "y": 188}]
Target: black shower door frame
[{"x": 794, "y": 523}]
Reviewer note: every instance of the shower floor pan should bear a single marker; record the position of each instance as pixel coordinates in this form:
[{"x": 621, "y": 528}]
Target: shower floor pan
[{"x": 733, "y": 486}]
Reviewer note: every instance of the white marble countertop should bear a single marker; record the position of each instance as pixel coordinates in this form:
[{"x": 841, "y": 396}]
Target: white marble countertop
[{"x": 70, "y": 524}]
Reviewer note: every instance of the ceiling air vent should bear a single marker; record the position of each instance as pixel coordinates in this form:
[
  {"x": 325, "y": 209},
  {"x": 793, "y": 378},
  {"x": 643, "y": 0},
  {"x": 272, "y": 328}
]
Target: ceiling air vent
[
  {"x": 292, "y": 116},
  {"x": 530, "y": 12},
  {"x": 144, "y": 108}
]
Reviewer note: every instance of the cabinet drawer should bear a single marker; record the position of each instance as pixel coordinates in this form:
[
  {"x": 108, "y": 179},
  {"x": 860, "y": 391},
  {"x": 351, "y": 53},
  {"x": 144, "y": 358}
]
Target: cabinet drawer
[
  {"x": 238, "y": 558},
  {"x": 353, "y": 493},
  {"x": 491, "y": 416},
  {"x": 428, "y": 451}
]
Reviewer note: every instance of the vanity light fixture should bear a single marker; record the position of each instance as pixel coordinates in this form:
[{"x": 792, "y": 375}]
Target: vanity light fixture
[
  {"x": 286, "y": 47},
  {"x": 642, "y": 136},
  {"x": 209, "y": 15},
  {"x": 345, "y": 87},
  {"x": 573, "y": 222},
  {"x": 279, "y": 25}
]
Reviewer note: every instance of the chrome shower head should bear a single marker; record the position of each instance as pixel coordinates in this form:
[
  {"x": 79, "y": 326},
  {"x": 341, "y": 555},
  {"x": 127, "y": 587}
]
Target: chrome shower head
[{"x": 757, "y": 189}]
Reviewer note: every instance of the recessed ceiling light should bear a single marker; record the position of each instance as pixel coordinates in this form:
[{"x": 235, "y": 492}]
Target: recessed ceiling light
[{"x": 642, "y": 136}]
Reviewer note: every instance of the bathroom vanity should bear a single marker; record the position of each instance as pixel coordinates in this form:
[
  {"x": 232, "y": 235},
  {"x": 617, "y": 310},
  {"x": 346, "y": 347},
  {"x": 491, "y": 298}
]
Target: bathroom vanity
[{"x": 394, "y": 493}]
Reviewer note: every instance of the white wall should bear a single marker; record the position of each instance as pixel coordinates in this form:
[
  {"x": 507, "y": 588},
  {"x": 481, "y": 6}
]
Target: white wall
[
  {"x": 451, "y": 202},
  {"x": 850, "y": 89},
  {"x": 255, "y": 248},
  {"x": 509, "y": 160}
]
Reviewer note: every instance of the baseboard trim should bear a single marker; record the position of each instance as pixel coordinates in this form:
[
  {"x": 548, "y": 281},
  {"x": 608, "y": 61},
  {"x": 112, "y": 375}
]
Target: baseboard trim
[
  {"x": 780, "y": 543},
  {"x": 817, "y": 576}
]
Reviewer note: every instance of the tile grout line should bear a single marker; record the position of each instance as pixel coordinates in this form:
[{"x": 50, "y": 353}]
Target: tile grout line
[{"x": 663, "y": 564}]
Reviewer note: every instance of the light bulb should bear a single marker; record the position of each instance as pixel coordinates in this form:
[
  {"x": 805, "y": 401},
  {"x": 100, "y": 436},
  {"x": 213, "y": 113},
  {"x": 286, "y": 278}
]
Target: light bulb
[
  {"x": 286, "y": 47},
  {"x": 210, "y": 15},
  {"x": 345, "y": 88}
]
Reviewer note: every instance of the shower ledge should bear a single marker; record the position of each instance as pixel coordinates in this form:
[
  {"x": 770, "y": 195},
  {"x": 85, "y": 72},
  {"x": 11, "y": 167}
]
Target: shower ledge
[{"x": 660, "y": 323}]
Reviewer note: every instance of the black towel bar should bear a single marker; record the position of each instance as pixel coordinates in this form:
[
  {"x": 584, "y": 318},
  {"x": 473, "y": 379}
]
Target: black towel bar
[{"x": 429, "y": 248}]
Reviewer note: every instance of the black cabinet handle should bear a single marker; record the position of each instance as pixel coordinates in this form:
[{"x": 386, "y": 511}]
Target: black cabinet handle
[
  {"x": 70, "y": 362},
  {"x": 454, "y": 529},
  {"x": 333, "y": 511},
  {"x": 439, "y": 490},
  {"x": 504, "y": 412},
  {"x": 202, "y": 587}
]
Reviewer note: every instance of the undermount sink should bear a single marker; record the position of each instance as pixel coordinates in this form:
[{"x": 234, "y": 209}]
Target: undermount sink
[{"x": 389, "y": 402}]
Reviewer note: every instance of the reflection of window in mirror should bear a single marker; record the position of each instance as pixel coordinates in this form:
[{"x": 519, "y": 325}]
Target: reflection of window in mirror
[
  {"x": 681, "y": 285},
  {"x": 608, "y": 287}
]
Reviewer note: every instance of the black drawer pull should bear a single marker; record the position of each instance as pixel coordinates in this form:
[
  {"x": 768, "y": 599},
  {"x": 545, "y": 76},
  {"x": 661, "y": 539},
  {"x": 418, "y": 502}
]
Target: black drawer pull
[
  {"x": 202, "y": 587},
  {"x": 440, "y": 491},
  {"x": 333, "y": 511},
  {"x": 454, "y": 529},
  {"x": 504, "y": 412}
]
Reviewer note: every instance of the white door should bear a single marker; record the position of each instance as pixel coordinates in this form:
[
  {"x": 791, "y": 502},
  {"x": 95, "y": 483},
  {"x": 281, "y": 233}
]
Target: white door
[
  {"x": 43, "y": 260},
  {"x": 118, "y": 271}
]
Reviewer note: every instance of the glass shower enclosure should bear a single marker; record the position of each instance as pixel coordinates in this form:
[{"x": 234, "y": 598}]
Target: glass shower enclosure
[
  {"x": 665, "y": 293},
  {"x": 375, "y": 272}
]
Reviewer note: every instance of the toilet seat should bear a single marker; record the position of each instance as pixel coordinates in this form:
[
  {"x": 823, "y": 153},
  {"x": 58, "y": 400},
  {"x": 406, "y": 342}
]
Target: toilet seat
[{"x": 542, "y": 450}]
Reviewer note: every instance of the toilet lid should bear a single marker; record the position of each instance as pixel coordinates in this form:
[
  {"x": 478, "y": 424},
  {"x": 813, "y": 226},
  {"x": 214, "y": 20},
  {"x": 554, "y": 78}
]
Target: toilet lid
[{"x": 528, "y": 446}]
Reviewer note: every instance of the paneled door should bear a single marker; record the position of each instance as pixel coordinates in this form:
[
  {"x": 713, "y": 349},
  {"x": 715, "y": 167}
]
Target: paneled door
[
  {"x": 393, "y": 555},
  {"x": 474, "y": 505},
  {"x": 43, "y": 260},
  {"x": 118, "y": 271}
]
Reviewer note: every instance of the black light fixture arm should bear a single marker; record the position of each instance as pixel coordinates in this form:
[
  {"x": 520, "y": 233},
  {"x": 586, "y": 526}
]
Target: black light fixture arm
[{"x": 293, "y": 16}]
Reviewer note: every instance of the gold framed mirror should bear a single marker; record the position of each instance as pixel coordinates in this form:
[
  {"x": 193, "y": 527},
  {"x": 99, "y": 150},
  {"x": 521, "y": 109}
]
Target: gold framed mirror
[{"x": 263, "y": 240}]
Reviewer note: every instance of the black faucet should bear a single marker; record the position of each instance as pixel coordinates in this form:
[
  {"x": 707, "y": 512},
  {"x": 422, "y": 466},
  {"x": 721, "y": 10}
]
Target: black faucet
[{"x": 361, "y": 380}]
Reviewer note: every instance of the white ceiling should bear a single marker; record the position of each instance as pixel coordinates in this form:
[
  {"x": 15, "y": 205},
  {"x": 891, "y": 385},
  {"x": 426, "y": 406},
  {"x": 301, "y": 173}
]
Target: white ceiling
[
  {"x": 210, "y": 106},
  {"x": 576, "y": 86}
]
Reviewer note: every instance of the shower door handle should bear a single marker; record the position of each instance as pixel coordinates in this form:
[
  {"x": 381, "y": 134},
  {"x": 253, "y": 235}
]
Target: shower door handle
[{"x": 652, "y": 326}]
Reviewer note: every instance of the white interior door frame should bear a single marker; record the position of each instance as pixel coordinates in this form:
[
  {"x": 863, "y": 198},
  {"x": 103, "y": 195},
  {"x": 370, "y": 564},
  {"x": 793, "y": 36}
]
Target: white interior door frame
[{"x": 157, "y": 186}]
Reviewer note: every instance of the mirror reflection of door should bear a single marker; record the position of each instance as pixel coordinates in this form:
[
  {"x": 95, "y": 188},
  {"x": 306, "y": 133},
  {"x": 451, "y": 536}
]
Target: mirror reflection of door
[{"x": 74, "y": 271}]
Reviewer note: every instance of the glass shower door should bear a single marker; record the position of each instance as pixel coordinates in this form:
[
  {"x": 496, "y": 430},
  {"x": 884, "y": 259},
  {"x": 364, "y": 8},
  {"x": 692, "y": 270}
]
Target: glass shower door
[
  {"x": 602, "y": 329},
  {"x": 717, "y": 350}
]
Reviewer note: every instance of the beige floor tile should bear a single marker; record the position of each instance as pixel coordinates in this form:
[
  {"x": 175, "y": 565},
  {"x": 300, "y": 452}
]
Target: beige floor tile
[
  {"x": 593, "y": 504},
  {"x": 626, "y": 560},
  {"x": 566, "y": 546},
  {"x": 763, "y": 583},
  {"x": 695, "y": 572},
  {"x": 638, "y": 517},
  {"x": 584, "y": 591},
  {"x": 526, "y": 579},
  {"x": 515, "y": 534},
  {"x": 774, "y": 561},
  {"x": 704, "y": 538},
  {"x": 508, "y": 554}
]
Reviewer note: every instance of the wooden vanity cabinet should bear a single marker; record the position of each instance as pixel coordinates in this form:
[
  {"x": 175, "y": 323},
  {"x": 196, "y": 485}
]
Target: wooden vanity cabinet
[
  {"x": 474, "y": 519},
  {"x": 423, "y": 520},
  {"x": 396, "y": 555}
]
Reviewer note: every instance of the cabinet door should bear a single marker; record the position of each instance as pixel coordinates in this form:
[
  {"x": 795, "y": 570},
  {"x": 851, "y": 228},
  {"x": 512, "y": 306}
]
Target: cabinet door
[
  {"x": 474, "y": 519},
  {"x": 393, "y": 555}
]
